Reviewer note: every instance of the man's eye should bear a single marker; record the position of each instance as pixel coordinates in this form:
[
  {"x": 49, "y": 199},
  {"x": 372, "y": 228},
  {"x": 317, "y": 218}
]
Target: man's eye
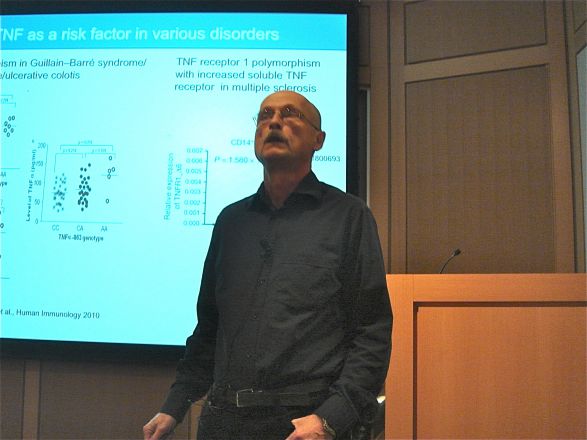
[
  {"x": 287, "y": 112},
  {"x": 265, "y": 114}
]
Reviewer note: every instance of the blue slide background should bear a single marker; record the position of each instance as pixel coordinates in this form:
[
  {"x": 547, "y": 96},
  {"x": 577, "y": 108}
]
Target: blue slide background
[{"x": 117, "y": 155}]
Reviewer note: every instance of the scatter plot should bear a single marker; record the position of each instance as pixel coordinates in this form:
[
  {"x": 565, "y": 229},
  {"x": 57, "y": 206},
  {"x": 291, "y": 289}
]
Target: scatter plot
[
  {"x": 84, "y": 187},
  {"x": 8, "y": 126},
  {"x": 85, "y": 184},
  {"x": 59, "y": 192}
]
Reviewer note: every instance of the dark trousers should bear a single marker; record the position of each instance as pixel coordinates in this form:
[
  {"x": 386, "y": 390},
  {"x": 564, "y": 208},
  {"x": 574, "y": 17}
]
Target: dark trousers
[{"x": 231, "y": 423}]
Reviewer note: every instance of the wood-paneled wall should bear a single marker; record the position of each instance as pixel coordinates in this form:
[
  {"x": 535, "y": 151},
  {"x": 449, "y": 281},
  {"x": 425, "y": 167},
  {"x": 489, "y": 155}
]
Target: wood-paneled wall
[
  {"x": 470, "y": 136},
  {"x": 576, "y": 25},
  {"x": 479, "y": 173},
  {"x": 51, "y": 399}
]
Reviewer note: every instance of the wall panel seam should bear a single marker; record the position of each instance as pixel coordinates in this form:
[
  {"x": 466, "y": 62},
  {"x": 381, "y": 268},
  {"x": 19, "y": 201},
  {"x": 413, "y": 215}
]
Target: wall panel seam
[{"x": 475, "y": 64}]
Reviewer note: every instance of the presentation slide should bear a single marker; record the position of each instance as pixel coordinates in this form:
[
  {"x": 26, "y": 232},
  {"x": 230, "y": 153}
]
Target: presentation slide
[{"x": 123, "y": 136}]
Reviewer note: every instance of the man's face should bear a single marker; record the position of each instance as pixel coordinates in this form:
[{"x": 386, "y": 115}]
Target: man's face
[{"x": 284, "y": 138}]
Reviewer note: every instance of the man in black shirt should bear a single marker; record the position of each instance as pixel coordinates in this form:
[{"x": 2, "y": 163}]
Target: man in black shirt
[{"x": 294, "y": 319}]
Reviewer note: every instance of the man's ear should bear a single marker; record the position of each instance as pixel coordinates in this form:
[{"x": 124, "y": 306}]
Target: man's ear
[{"x": 320, "y": 137}]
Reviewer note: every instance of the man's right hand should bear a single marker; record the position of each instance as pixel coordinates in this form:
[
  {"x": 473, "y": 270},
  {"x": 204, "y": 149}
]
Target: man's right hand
[{"x": 159, "y": 427}]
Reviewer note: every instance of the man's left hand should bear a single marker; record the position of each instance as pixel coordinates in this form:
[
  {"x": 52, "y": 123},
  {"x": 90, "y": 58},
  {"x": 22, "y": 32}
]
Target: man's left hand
[{"x": 307, "y": 428}]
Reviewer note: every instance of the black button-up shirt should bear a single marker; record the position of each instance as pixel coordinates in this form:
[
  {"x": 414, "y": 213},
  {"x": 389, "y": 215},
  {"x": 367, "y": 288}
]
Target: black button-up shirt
[{"x": 291, "y": 295}]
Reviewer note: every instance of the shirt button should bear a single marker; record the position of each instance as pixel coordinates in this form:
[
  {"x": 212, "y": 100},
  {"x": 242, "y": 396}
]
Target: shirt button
[{"x": 262, "y": 281}]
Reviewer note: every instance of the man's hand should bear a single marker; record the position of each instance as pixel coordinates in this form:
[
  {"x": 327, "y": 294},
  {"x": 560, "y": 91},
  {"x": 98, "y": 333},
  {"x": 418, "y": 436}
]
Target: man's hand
[
  {"x": 309, "y": 427},
  {"x": 159, "y": 427}
]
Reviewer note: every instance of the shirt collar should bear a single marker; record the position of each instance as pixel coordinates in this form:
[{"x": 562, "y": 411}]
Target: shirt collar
[{"x": 309, "y": 186}]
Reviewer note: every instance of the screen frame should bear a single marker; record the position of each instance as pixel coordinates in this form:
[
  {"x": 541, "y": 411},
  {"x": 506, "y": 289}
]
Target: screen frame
[{"x": 123, "y": 352}]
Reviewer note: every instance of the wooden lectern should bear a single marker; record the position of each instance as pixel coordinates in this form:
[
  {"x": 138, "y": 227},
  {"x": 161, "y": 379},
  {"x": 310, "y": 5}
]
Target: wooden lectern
[{"x": 488, "y": 356}]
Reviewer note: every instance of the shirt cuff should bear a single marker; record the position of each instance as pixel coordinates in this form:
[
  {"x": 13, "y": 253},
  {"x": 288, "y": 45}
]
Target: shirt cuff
[
  {"x": 176, "y": 405},
  {"x": 338, "y": 412}
]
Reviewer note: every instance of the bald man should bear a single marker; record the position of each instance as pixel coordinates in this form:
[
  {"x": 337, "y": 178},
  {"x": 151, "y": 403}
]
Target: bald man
[{"x": 294, "y": 319}]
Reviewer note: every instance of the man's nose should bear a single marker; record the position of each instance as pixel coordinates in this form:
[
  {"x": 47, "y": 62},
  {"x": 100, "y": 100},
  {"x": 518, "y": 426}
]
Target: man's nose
[{"x": 276, "y": 120}]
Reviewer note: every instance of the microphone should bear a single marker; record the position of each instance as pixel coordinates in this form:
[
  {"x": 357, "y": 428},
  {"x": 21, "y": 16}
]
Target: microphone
[{"x": 454, "y": 254}]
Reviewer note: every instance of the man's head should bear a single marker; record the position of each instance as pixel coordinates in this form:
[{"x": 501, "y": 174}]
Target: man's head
[{"x": 288, "y": 132}]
